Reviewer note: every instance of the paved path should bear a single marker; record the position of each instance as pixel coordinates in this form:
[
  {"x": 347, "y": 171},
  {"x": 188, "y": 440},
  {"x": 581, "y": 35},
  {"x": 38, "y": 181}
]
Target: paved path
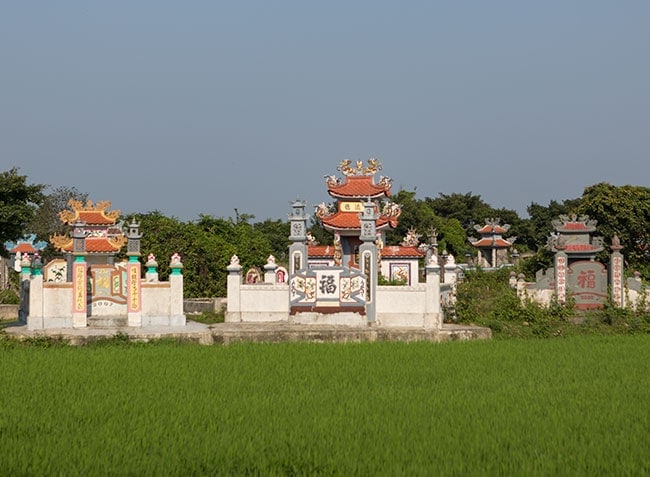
[{"x": 225, "y": 333}]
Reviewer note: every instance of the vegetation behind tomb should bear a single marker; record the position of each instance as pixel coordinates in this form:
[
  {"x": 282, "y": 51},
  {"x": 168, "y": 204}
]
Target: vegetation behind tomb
[
  {"x": 484, "y": 298},
  {"x": 576, "y": 406}
]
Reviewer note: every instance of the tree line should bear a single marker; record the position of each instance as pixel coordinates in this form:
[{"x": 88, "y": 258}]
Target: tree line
[{"x": 207, "y": 243}]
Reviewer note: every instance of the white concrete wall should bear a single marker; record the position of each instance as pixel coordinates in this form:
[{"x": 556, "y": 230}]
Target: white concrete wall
[
  {"x": 401, "y": 306},
  {"x": 264, "y": 302},
  {"x": 51, "y": 303}
]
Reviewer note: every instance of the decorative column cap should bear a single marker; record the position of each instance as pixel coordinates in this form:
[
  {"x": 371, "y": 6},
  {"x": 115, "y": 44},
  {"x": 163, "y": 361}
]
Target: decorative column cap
[
  {"x": 151, "y": 261},
  {"x": 78, "y": 238},
  {"x": 270, "y": 263},
  {"x": 234, "y": 266},
  {"x": 37, "y": 265},
  {"x": 616, "y": 243},
  {"x": 175, "y": 264}
]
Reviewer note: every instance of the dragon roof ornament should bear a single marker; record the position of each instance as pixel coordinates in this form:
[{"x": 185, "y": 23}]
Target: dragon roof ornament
[{"x": 358, "y": 169}]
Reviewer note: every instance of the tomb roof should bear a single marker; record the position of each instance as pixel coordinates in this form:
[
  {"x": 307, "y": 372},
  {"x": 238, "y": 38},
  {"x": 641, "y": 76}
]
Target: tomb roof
[
  {"x": 573, "y": 223},
  {"x": 492, "y": 242},
  {"x": 351, "y": 221},
  {"x": 401, "y": 251},
  {"x": 362, "y": 187},
  {"x": 93, "y": 244},
  {"x": 320, "y": 250},
  {"x": 89, "y": 213}
]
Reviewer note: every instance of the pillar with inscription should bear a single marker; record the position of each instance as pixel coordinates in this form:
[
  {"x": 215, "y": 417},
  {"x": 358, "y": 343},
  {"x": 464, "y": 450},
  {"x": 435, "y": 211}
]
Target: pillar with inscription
[
  {"x": 298, "y": 237},
  {"x": 368, "y": 256},
  {"x": 616, "y": 273},
  {"x": 561, "y": 265},
  {"x": 133, "y": 274},
  {"x": 79, "y": 277}
]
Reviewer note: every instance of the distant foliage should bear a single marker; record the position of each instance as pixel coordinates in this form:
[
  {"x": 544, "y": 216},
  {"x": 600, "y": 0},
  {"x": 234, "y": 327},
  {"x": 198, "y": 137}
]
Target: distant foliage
[
  {"x": 18, "y": 204},
  {"x": 486, "y": 299}
]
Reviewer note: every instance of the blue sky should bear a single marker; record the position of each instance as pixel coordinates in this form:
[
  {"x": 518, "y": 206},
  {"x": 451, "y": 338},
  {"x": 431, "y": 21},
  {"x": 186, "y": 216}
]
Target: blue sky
[{"x": 201, "y": 107}]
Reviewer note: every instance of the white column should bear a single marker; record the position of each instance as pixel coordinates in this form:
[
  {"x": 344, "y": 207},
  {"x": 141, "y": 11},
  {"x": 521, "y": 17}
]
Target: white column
[
  {"x": 233, "y": 306},
  {"x": 432, "y": 318},
  {"x": 35, "y": 316}
]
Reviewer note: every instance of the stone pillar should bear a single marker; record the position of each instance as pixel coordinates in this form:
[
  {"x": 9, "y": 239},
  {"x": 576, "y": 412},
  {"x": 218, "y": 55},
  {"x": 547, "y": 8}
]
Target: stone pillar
[
  {"x": 269, "y": 270},
  {"x": 134, "y": 292},
  {"x": 35, "y": 317},
  {"x": 176, "y": 315},
  {"x": 561, "y": 266},
  {"x": 298, "y": 237},
  {"x": 79, "y": 292},
  {"x": 433, "y": 315},
  {"x": 233, "y": 305},
  {"x": 616, "y": 265},
  {"x": 133, "y": 274},
  {"x": 368, "y": 257},
  {"x": 79, "y": 277},
  {"x": 451, "y": 271}
]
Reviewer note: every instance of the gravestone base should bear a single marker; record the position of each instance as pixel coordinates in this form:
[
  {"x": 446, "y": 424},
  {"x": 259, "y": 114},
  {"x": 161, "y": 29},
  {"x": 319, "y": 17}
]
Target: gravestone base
[{"x": 107, "y": 321}]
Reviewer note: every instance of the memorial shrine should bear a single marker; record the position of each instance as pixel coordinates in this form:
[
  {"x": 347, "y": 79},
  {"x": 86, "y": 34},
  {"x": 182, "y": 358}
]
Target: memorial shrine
[
  {"x": 88, "y": 288},
  {"x": 492, "y": 247},
  {"x": 576, "y": 274},
  {"x": 338, "y": 283}
]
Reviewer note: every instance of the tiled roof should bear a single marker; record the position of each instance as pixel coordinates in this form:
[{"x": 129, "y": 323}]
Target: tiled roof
[
  {"x": 351, "y": 221},
  {"x": 576, "y": 227},
  {"x": 401, "y": 251},
  {"x": 360, "y": 187},
  {"x": 320, "y": 250},
  {"x": 94, "y": 217},
  {"x": 94, "y": 245},
  {"x": 492, "y": 229},
  {"x": 489, "y": 242},
  {"x": 23, "y": 247},
  {"x": 582, "y": 247}
]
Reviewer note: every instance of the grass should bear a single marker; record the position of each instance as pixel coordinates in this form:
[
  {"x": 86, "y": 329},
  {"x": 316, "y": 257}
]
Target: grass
[{"x": 575, "y": 406}]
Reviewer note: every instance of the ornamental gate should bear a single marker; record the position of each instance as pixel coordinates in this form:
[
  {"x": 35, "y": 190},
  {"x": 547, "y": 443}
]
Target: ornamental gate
[{"x": 328, "y": 290}]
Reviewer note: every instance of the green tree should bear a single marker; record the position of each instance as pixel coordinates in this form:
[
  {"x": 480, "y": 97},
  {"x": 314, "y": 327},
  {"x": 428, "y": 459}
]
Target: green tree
[
  {"x": 467, "y": 208},
  {"x": 539, "y": 225},
  {"x": 18, "y": 203},
  {"x": 418, "y": 215},
  {"x": 622, "y": 211},
  {"x": 46, "y": 221},
  {"x": 277, "y": 233}
]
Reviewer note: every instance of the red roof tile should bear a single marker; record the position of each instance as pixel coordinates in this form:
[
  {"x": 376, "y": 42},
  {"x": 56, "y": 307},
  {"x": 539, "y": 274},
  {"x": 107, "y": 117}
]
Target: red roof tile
[
  {"x": 489, "y": 242},
  {"x": 320, "y": 250},
  {"x": 360, "y": 187},
  {"x": 23, "y": 247},
  {"x": 351, "y": 221},
  {"x": 582, "y": 247},
  {"x": 492, "y": 229},
  {"x": 401, "y": 251},
  {"x": 93, "y": 217}
]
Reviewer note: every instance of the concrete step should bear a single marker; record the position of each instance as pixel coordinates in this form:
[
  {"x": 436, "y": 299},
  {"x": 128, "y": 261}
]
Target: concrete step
[{"x": 107, "y": 321}]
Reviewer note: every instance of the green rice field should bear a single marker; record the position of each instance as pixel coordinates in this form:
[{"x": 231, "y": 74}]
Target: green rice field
[{"x": 572, "y": 406}]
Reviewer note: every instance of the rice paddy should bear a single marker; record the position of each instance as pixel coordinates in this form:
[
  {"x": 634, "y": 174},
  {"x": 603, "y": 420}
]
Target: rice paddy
[{"x": 574, "y": 406}]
